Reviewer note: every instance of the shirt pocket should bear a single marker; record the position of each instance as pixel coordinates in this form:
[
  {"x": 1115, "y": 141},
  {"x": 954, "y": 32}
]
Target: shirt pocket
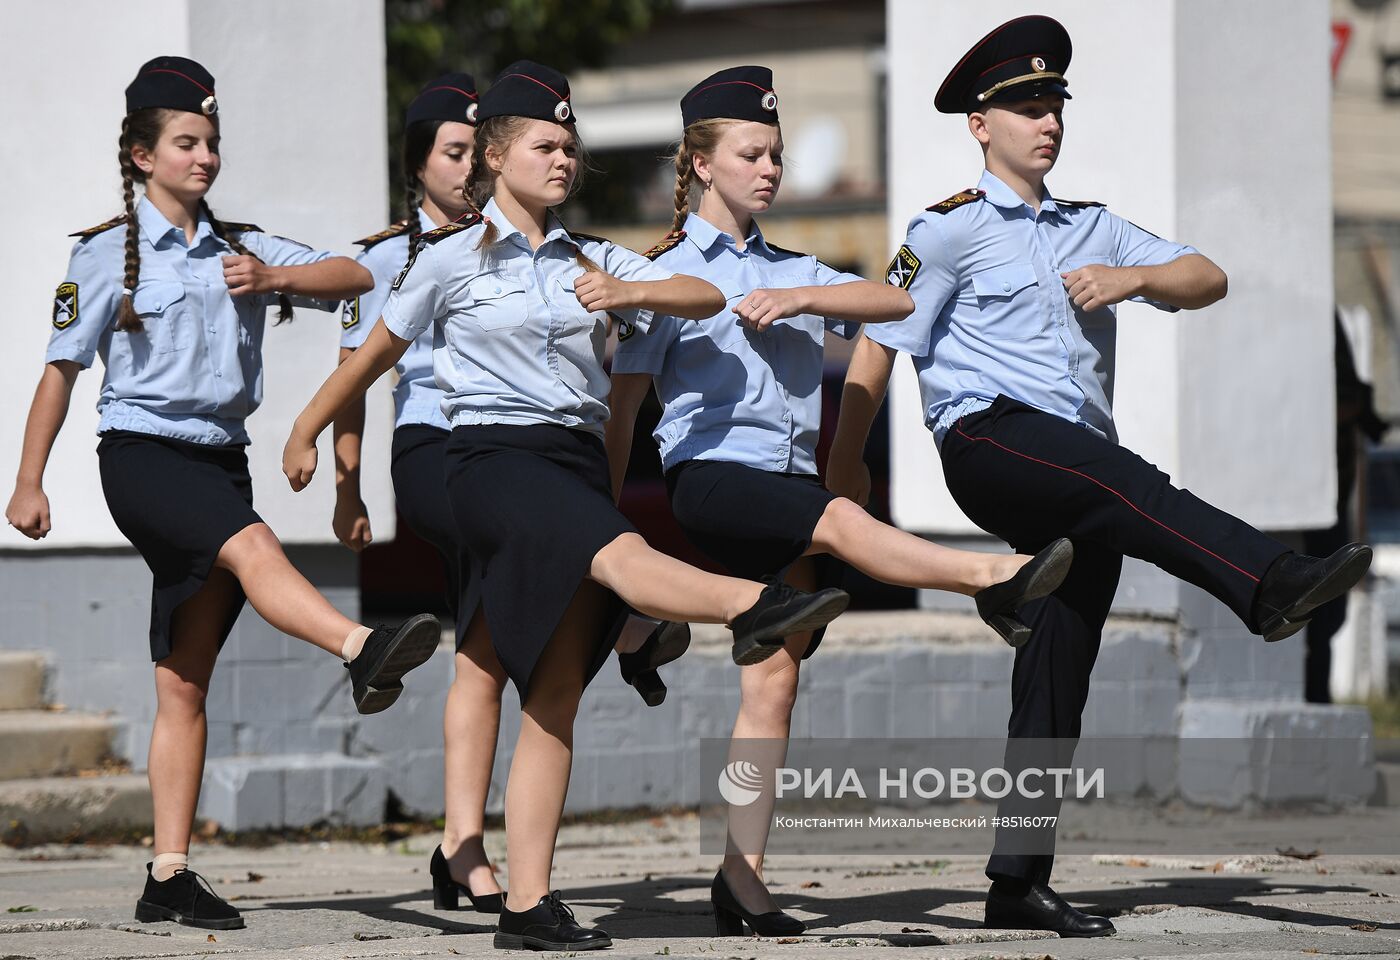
[
  {"x": 1088, "y": 318},
  {"x": 497, "y": 303},
  {"x": 566, "y": 301},
  {"x": 1006, "y": 295},
  {"x": 160, "y": 305}
]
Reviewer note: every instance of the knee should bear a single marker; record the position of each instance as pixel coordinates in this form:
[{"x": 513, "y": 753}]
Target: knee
[
  {"x": 250, "y": 548},
  {"x": 772, "y": 696},
  {"x": 610, "y": 563},
  {"x": 553, "y": 702},
  {"x": 180, "y": 695},
  {"x": 479, "y": 684},
  {"x": 840, "y": 520}
]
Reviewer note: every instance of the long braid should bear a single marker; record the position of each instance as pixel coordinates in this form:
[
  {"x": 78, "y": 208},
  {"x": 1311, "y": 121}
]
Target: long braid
[
  {"x": 685, "y": 177},
  {"x": 127, "y": 320},
  {"x": 410, "y": 210},
  {"x": 284, "y": 303},
  {"x": 477, "y": 188}
]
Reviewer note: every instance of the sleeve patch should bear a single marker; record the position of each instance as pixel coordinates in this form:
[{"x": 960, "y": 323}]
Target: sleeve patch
[
  {"x": 65, "y": 305},
  {"x": 351, "y": 317},
  {"x": 903, "y": 268}
]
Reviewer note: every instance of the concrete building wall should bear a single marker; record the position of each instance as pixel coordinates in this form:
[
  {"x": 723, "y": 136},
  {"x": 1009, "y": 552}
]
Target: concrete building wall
[
  {"x": 1234, "y": 401},
  {"x": 301, "y": 90}
]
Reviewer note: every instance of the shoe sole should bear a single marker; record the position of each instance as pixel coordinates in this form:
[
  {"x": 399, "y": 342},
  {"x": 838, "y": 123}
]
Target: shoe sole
[
  {"x": 411, "y": 647},
  {"x": 823, "y": 608},
  {"x": 1045, "y": 581},
  {"x": 1345, "y": 577},
  {"x": 992, "y": 925},
  {"x": 511, "y": 941},
  {"x": 147, "y": 912}
]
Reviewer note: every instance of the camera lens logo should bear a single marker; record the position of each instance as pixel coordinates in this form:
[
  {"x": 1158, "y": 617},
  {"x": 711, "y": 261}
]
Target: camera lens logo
[{"x": 740, "y": 783}]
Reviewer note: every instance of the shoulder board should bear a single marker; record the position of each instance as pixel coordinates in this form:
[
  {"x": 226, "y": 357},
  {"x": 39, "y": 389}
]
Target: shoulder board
[
  {"x": 777, "y": 249},
  {"x": 957, "y": 200},
  {"x": 1077, "y": 203},
  {"x": 588, "y": 236},
  {"x": 669, "y": 241},
  {"x": 448, "y": 229},
  {"x": 101, "y": 227},
  {"x": 397, "y": 230},
  {"x": 241, "y": 227}
]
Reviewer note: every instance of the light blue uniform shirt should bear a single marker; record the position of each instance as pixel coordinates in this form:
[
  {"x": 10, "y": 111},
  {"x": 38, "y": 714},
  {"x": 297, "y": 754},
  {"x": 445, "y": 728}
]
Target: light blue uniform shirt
[
  {"x": 513, "y": 344},
  {"x": 195, "y": 371},
  {"x": 417, "y": 397},
  {"x": 991, "y": 313},
  {"x": 729, "y": 392}
]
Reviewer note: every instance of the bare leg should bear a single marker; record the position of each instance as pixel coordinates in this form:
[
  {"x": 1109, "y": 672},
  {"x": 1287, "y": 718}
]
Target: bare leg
[
  {"x": 278, "y": 591},
  {"x": 539, "y": 772},
  {"x": 180, "y": 732},
  {"x": 889, "y": 554},
  {"x": 663, "y": 587},
  {"x": 768, "y": 691},
  {"x": 634, "y": 633},
  {"x": 471, "y": 722}
]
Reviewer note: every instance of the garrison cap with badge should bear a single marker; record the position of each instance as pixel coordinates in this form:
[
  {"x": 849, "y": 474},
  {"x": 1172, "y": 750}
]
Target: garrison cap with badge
[
  {"x": 1019, "y": 60},
  {"x": 451, "y": 97},
  {"x": 528, "y": 89},
  {"x": 175, "y": 83},
  {"x": 736, "y": 93}
]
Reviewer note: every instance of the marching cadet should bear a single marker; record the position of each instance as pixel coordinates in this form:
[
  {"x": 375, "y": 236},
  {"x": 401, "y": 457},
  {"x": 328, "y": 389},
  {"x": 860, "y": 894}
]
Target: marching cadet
[
  {"x": 741, "y": 412},
  {"x": 174, "y": 301},
  {"x": 439, "y": 134},
  {"x": 519, "y": 308},
  {"x": 1012, "y": 338}
]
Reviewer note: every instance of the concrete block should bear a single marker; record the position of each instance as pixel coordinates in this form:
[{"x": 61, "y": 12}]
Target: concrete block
[
  {"x": 59, "y": 809},
  {"x": 22, "y": 676},
  {"x": 40, "y": 743},
  {"x": 247, "y": 793}
]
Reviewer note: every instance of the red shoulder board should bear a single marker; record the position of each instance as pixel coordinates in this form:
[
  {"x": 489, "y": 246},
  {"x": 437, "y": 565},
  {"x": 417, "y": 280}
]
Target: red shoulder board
[
  {"x": 670, "y": 240},
  {"x": 397, "y": 230},
  {"x": 1077, "y": 203},
  {"x": 101, "y": 227},
  {"x": 463, "y": 222},
  {"x": 957, "y": 200},
  {"x": 242, "y": 227}
]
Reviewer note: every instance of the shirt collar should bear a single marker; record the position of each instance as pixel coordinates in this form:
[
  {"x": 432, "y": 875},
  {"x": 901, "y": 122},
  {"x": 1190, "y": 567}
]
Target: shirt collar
[
  {"x": 156, "y": 227},
  {"x": 505, "y": 230},
  {"x": 705, "y": 235},
  {"x": 425, "y": 222},
  {"x": 1000, "y": 195}
]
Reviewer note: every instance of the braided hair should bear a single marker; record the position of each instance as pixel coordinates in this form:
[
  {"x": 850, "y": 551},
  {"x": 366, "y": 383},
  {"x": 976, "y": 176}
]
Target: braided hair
[
  {"x": 143, "y": 128},
  {"x": 701, "y": 137}
]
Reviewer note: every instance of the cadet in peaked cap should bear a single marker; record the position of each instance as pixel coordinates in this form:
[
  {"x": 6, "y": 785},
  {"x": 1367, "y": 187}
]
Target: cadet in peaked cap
[
  {"x": 1012, "y": 339},
  {"x": 529, "y": 89}
]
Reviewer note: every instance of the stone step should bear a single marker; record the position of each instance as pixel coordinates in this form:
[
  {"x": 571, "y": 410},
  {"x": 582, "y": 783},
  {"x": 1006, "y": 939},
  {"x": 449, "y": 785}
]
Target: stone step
[
  {"x": 22, "y": 680},
  {"x": 63, "y": 809},
  {"x": 42, "y": 743}
]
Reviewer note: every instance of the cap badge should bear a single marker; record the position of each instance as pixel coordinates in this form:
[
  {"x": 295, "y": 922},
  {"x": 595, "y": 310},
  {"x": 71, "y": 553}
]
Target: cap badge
[
  {"x": 769, "y": 101},
  {"x": 471, "y": 113},
  {"x": 209, "y": 106},
  {"x": 1038, "y": 63},
  {"x": 562, "y": 113}
]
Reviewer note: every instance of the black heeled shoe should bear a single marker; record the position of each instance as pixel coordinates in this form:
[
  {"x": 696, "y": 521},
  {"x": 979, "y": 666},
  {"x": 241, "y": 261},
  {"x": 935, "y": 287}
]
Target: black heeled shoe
[
  {"x": 730, "y": 915},
  {"x": 666, "y": 643},
  {"x": 446, "y": 891},
  {"x": 1040, "y": 577}
]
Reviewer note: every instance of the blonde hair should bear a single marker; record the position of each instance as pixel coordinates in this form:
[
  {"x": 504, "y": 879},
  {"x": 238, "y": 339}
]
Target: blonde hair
[
  {"x": 701, "y": 137},
  {"x": 499, "y": 133}
]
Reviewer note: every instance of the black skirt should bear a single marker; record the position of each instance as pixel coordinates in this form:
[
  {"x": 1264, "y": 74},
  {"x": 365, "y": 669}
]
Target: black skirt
[
  {"x": 533, "y": 506},
  {"x": 178, "y": 503},
  {"x": 754, "y": 523},
  {"x": 417, "y": 469}
]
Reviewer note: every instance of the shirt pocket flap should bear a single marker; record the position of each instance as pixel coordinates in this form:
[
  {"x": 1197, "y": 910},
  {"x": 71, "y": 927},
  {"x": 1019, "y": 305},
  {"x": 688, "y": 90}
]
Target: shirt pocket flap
[
  {"x": 1003, "y": 281},
  {"x": 156, "y": 296},
  {"x": 490, "y": 287}
]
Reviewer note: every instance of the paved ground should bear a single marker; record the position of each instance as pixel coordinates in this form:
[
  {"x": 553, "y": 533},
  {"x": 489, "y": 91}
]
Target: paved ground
[{"x": 645, "y": 883}]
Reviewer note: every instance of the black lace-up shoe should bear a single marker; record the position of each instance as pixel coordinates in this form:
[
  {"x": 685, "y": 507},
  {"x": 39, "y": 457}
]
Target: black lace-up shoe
[
  {"x": 780, "y": 612},
  {"x": 186, "y": 898},
  {"x": 386, "y": 656},
  {"x": 1041, "y": 908},
  {"x": 548, "y": 925},
  {"x": 1297, "y": 584}
]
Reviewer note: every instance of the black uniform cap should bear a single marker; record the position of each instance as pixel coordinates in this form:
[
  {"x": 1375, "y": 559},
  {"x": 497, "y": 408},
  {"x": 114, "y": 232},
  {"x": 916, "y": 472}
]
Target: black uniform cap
[
  {"x": 738, "y": 93},
  {"x": 1023, "y": 58},
  {"x": 528, "y": 89},
  {"x": 175, "y": 83},
  {"x": 451, "y": 96}
]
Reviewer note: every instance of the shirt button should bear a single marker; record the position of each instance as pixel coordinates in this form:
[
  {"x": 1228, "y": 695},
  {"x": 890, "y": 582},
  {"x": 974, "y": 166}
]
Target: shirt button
[
  {"x": 497, "y": 290},
  {"x": 218, "y": 373}
]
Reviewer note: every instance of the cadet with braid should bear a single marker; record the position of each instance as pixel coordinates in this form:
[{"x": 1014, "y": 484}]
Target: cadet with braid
[{"x": 174, "y": 303}]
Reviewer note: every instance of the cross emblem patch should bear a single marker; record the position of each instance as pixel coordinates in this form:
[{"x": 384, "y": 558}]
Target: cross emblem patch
[
  {"x": 65, "y": 305},
  {"x": 902, "y": 269}
]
